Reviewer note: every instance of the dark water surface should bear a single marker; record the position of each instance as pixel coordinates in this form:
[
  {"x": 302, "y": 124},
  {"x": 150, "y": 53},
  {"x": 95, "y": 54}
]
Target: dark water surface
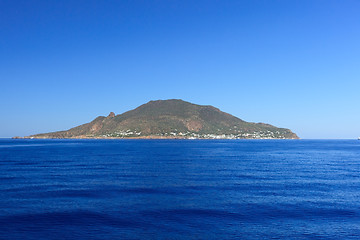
[{"x": 179, "y": 189}]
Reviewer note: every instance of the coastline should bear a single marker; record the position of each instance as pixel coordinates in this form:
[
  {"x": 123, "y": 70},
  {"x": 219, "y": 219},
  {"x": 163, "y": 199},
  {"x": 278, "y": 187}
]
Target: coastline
[{"x": 152, "y": 137}]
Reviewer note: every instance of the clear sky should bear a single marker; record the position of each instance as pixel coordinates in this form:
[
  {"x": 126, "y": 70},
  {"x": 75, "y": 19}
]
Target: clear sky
[{"x": 293, "y": 64}]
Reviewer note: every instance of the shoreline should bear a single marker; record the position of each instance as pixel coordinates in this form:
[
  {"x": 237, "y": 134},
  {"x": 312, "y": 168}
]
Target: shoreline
[{"x": 154, "y": 138}]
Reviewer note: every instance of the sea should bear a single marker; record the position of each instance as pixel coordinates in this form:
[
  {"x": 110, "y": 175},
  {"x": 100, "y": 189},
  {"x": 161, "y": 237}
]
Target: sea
[{"x": 179, "y": 189}]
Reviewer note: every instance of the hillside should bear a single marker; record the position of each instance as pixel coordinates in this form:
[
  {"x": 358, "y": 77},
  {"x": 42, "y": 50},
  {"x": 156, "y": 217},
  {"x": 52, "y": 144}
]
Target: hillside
[{"x": 172, "y": 119}]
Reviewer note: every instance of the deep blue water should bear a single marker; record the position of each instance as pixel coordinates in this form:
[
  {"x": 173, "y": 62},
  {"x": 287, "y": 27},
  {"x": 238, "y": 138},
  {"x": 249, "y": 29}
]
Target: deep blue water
[{"x": 179, "y": 189}]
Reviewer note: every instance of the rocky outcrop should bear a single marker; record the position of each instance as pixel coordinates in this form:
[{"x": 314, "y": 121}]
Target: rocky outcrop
[{"x": 111, "y": 115}]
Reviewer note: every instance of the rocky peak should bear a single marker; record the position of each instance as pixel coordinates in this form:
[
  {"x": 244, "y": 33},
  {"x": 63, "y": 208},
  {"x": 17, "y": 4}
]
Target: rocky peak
[{"x": 111, "y": 115}]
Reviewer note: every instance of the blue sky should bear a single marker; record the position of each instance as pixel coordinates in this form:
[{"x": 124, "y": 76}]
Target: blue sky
[{"x": 293, "y": 64}]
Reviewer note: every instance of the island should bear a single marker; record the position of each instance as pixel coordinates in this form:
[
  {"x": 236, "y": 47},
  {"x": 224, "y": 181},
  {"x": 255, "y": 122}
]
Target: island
[{"x": 171, "y": 119}]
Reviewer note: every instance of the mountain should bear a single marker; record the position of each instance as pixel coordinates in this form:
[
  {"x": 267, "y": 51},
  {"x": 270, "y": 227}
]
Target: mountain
[{"x": 172, "y": 119}]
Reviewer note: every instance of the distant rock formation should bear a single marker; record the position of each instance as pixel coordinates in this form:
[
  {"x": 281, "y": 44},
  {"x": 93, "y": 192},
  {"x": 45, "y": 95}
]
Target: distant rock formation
[
  {"x": 111, "y": 115},
  {"x": 172, "y": 119}
]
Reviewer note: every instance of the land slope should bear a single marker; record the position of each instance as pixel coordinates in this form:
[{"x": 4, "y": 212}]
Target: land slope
[{"x": 172, "y": 119}]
